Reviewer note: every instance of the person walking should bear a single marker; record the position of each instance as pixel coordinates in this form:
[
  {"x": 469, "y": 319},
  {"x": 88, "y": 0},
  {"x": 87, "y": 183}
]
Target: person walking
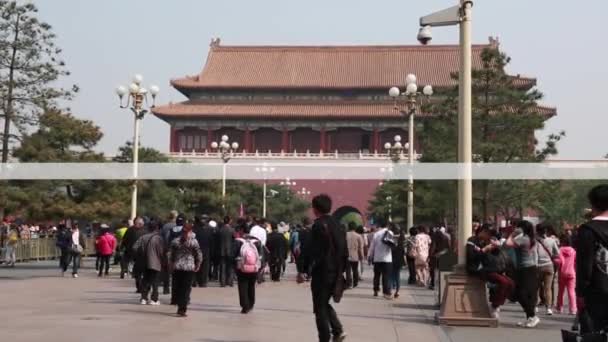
[
  {"x": 356, "y": 254},
  {"x": 305, "y": 240},
  {"x": 11, "y": 246},
  {"x": 548, "y": 257},
  {"x": 276, "y": 252},
  {"x": 77, "y": 247},
  {"x": 422, "y": 247},
  {"x": 326, "y": 256},
  {"x": 592, "y": 263},
  {"x": 119, "y": 234},
  {"x": 567, "y": 276},
  {"x": 523, "y": 240},
  {"x": 105, "y": 246},
  {"x": 64, "y": 242},
  {"x": 226, "y": 239},
  {"x": 410, "y": 244},
  {"x": 398, "y": 256},
  {"x": 204, "y": 236},
  {"x": 381, "y": 255},
  {"x": 150, "y": 248},
  {"x": 132, "y": 234},
  {"x": 185, "y": 259},
  {"x": 247, "y": 251},
  {"x": 165, "y": 232},
  {"x": 440, "y": 245},
  {"x": 259, "y": 232}
]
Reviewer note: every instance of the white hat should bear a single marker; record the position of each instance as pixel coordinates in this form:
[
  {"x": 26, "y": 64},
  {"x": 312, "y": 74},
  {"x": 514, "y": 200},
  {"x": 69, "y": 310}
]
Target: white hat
[
  {"x": 104, "y": 226},
  {"x": 212, "y": 224}
]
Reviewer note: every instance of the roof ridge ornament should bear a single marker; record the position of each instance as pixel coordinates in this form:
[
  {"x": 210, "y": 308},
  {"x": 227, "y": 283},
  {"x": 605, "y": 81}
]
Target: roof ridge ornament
[
  {"x": 494, "y": 42},
  {"x": 215, "y": 42}
]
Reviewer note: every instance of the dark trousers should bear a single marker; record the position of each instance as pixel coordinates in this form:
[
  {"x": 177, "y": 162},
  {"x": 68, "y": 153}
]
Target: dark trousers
[
  {"x": 246, "y": 285},
  {"x": 226, "y": 271},
  {"x": 202, "y": 276},
  {"x": 149, "y": 282},
  {"x": 596, "y": 314},
  {"x": 411, "y": 267},
  {"x": 433, "y": 263},
  {"x": 215, "y": 268},
  {"x": 382, "y": 270},
  {"x": 325, "y": 315},
  {"x": 75, "y": 259},
  {"x": 396, "y": 278},
  {"x": 104, "y": 264},
  {"x": 352, "y": 274},
  {"x": 503, "y": 290},
  {"x": 97, "y": 261},
  {"x": 124, "y": 264},
  {"x": 275, "y": 269},
  {"x": 182, "y": 286},
  {"x": 527, "y": 289},
  {"x": 165, "y": 279},
  {"x": 64, "y": 260},
  {"x": 138, "y": 275}
]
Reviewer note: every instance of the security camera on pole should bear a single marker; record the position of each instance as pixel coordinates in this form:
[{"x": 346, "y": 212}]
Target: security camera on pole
[
  {"x": 464, "y": 300},
  {"x": 136, "y": 96}
]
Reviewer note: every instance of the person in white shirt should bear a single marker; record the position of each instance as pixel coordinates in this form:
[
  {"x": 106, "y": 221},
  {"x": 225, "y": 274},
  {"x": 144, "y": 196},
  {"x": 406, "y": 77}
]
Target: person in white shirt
[
  {"x": 380, "y": 254},
  {"x": 259, "y": 232}
]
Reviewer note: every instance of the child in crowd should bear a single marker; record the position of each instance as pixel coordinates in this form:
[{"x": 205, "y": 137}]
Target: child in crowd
[{"x": 567, "y": 275}]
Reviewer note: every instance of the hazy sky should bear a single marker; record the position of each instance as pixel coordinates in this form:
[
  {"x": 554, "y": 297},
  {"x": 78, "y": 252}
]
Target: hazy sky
[{"x": 562, "y": 43}]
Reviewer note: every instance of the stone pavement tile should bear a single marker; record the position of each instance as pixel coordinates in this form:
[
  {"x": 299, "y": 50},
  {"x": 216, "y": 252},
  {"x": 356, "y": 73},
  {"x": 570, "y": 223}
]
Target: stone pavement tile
[
  {"x": 92, "y": 309},
  {"x": 548, "y": 330}
]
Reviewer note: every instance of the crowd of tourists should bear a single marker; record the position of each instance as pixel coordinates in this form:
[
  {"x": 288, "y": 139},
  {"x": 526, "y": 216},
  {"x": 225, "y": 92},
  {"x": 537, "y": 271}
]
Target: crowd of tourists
[{"x": 520, "y": 263}]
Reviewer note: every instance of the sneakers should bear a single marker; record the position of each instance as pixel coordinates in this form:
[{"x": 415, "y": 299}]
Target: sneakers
[
  {"x": 495, "y": 313},
  {"x": 75, "y": 275},
  {"x": 340, "y": 337},
  {"x": 388, "y": 297},
  {"x": 549, "y": 312},
  {"x": 153, "y": 303},
  {"x": 143, "y": 302},
  {"x": 396, "y": 295},
  {"x": 532, "y": 322}
]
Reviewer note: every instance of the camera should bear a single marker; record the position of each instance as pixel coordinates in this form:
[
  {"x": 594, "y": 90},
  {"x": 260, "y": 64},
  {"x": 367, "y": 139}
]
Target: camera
[{"x": 425, "y": 35}]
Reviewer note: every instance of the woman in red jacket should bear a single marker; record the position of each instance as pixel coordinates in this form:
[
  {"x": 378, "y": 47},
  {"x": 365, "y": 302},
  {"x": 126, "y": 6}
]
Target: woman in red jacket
[{"x": 106, "y": 244}]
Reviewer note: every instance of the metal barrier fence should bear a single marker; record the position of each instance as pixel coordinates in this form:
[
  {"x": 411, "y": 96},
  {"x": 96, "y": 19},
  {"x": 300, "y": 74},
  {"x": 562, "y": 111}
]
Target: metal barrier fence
[{"x": 44, "y": 249}]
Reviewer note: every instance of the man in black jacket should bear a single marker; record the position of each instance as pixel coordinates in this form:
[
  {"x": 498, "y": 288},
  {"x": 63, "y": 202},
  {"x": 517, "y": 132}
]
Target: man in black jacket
[
  {"x": 131, "y": 236},
  {"x": 327, "y": 255},
  {"x": 277, "y": 250},
  {"x": 226, "y": 240},
  {"x": 204, "y": 236},
  {"x": 592, "y": 264}
]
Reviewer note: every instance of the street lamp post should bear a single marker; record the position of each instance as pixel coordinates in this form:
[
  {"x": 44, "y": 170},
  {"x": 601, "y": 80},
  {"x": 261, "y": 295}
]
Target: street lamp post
[
  {"x": 288, "y": 182},
  {"x": 412, "y": 95},
  {"x": 304, "y": 192},
  {"x": 136, "y": 96},
  {"x": 264, "y": 170},
  {"x": 389, "y": 200},
  {"x": 460, "y": 304},
  {"x": 226, "y": 149}
]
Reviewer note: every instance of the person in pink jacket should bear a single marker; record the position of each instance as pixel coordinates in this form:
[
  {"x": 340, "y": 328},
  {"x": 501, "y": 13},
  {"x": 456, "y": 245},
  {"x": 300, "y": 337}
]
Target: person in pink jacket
[
  {"x": 105, "y": 245},
  {"x": 567, "y": 275}
]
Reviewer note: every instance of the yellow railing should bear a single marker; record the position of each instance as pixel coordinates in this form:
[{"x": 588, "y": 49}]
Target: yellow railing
[{"x": 44, "y": 249}]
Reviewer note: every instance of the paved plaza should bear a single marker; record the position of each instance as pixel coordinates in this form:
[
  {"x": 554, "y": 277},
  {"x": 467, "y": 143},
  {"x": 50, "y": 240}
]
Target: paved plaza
[{"x": 39, "y": 305}]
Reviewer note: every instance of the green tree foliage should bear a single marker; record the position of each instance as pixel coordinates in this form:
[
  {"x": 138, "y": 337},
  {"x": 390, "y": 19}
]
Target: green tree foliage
[
  {"x": 505, "y": 118},
  {"x": 29, "y": 66}
]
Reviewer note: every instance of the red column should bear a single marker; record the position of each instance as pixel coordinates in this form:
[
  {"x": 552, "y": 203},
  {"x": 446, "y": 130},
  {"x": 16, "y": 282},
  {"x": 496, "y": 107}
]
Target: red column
[
  {"x": 210, "y": 138},
  {"x": 375, "y": 141},
  {"x": 322, "y": 142},
  {"x": 173, "y": 140},
  {"x": 285, "y": 141},
  {"x": 247, "y": 140}
]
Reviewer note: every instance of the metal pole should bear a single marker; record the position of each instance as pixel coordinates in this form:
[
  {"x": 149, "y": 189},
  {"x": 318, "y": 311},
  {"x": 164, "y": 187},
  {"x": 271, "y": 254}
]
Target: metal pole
[
  {"x": 264, "y": 200},
  {"x": 465, "y": 184},
  {"x": 135, "y": 162},
  {"x": 224, "y": 181},
  {"x": 410, "y": 181}
]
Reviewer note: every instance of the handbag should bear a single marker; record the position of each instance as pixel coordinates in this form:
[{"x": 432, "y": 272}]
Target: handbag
[
  {"x": 555, "y": 259},
  {"x": 76, "y": 249},
  {"x": 572, "y": 336},
  {"x": 388, "y": 240}
]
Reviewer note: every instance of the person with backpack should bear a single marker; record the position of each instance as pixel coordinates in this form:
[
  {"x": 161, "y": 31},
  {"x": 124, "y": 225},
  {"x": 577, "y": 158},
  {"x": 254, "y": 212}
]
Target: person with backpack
[
  {"x": 246, "y": 253},
  {"x": 326, "y": 256},
  {"x": 523, "y": 240},
  {"x": 381, "y": 256},
  {"x": 185, "y": 259},
  {"x": 486, "y": 261},
  {"x": 592, "y": 264},
  {"x": 105, "y": 246},
  {"x": 132, "y": 234},
  {"x": 63, "y": 242},
  {"x": 150, "y": 251}
]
